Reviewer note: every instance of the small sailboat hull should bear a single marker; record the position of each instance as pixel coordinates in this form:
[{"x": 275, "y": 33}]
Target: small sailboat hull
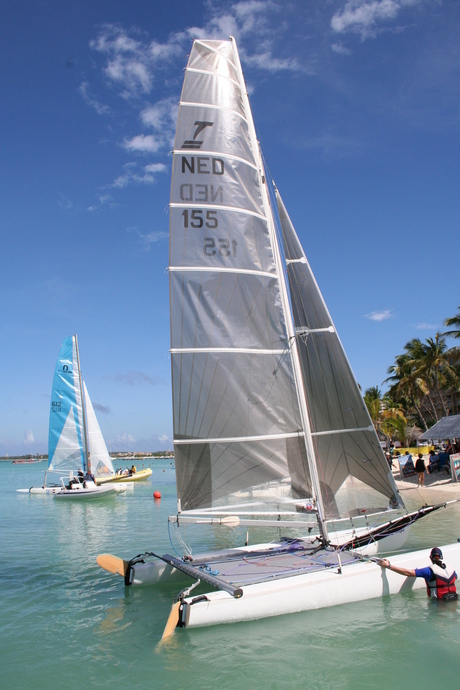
[
  {"x": 41, "y": 490},
  {"x": 356, "y": 582},
  {"x": 82, "y": 493}
]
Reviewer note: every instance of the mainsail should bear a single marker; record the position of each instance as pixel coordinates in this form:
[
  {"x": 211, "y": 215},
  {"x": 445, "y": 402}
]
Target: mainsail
[
  {"x": 66, "y": 440},
  {"x": 242, "y": 431}
]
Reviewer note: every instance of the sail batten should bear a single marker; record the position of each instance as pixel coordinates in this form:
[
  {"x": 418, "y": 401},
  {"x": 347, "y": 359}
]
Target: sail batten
[
  {"x": 341, "y": 431},
  {"x": 222, "y": 154},
  {"x": 233, "y": 209},
  {"x": 209, "y": 269},
  {"x": 240, "y": 350},
  {"x": 239, "y": 439},
  {"x": 217, "y": 76}
]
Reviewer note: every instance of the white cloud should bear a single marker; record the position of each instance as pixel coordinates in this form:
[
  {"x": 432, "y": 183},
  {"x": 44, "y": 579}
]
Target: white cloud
[
  {"x": 144, "y": 143},
  {"x": 340, "y": 49},
  {"x": 145, "y": 175},
  {"x": 379, "y": 315},
  {"x": 131, "y": 73},
  {"x": 147, "y": 240},
  {"x": 103, "y": 200},
  {"x": 125, "y": 438},
  {"x": 426, "y": 326},
  {"x": 162, "y": 115},
  {"x": 28, "y": 437},
  {"x": 92, "y": 101},
  {"x": 362, "y": 16},
  {"x": 155, "y": 168},
  {"x": 268, "y": 62}
]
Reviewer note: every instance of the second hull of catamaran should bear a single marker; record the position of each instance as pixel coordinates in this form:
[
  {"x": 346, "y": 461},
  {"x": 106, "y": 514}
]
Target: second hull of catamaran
[
  {"x": 156, "y": 571},
  {"x": 356, "y": 582},
  {"x": 40, "y": 490}
]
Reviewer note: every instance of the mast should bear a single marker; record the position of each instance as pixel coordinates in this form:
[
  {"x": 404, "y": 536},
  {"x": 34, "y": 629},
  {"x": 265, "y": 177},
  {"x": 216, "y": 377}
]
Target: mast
[
  {"x": 286, "y": 307},
  {"x": 83, "y": 411}
]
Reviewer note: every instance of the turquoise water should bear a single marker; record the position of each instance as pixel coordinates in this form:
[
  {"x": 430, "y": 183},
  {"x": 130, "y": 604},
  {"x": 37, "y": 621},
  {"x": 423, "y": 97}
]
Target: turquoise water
[{"x": 65, "y": 623}]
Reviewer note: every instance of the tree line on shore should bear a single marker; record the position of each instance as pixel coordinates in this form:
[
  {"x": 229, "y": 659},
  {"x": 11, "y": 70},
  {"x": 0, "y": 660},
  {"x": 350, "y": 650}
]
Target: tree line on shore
[{"x": 424, "y": 386}]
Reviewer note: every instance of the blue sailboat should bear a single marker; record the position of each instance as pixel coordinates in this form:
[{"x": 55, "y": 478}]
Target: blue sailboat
[{"x": 70, "y": 440}]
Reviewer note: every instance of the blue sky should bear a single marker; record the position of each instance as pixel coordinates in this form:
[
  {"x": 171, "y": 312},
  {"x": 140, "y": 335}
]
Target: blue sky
[{"x": 357, "y": 108}]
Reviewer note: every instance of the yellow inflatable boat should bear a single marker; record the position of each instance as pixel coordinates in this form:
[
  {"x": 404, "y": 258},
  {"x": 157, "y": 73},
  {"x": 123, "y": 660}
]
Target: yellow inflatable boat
[{"x": 120, "y": 478}]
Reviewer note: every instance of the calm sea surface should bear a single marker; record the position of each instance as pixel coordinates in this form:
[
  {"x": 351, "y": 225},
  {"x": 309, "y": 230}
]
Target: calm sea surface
[{"x": 64, "y": 623}]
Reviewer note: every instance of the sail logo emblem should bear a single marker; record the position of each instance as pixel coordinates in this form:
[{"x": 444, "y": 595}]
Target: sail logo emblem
[{"x": 193, "y": 143}]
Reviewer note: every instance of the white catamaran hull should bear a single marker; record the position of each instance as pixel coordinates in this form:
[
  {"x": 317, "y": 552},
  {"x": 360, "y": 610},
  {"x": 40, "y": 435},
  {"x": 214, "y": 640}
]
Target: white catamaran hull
[
  {"x": 40, "y": 490},
  {"x": 83, "y": 493},
  {"x": 357, "y": 582}
]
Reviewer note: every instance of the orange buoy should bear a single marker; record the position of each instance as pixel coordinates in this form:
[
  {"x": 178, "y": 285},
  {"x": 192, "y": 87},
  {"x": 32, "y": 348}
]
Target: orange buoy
[{"x": 156, "y": 494}]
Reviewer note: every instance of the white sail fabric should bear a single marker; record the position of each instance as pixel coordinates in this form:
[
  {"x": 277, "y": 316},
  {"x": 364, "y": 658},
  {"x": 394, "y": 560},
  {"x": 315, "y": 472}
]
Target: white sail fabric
[
  {"x": 99, "y": 458},
  {"x": 237, "y": 425},
  {"x": 353, "y": 472}
]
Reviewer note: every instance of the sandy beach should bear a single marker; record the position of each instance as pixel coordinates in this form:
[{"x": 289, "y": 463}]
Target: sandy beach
[{"x": 438, "y": 486}]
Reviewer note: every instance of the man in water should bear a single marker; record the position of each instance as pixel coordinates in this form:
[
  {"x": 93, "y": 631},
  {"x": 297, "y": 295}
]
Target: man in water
[{"x": 440, "y": 580}]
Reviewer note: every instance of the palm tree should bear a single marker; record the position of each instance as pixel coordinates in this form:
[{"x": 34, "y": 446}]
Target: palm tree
[
  {"x": 436, "y": 366},
  {"x": 387, "y": 416},
  {"x": 453, "y": 321},
  {"x": 408, "y": 386},
  {"x": 373, "y": 401}
]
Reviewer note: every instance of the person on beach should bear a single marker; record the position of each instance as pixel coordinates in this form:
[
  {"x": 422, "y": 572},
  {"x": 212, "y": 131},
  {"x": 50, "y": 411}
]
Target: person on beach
[
  {"x": 420, "y": 469},
  {"x": 433, "y": 462},
  {"x": 440, "y": 580}
]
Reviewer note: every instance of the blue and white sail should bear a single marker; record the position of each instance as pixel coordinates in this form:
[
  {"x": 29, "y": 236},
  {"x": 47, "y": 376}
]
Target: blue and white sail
[{"x": 67, "y": 451}]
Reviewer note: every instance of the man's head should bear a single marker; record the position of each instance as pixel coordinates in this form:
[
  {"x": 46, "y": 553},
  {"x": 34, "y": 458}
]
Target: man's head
[{"x": 436, "y": 554}]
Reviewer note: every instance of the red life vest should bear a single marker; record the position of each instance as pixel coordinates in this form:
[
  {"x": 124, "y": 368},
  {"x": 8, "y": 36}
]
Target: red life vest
[{"x": 442, "y": 584}]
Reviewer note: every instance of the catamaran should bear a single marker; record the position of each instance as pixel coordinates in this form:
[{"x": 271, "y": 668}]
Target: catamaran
[
  {"x": 270, "y": 428},
  {"x": 75, "y": 441}
]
